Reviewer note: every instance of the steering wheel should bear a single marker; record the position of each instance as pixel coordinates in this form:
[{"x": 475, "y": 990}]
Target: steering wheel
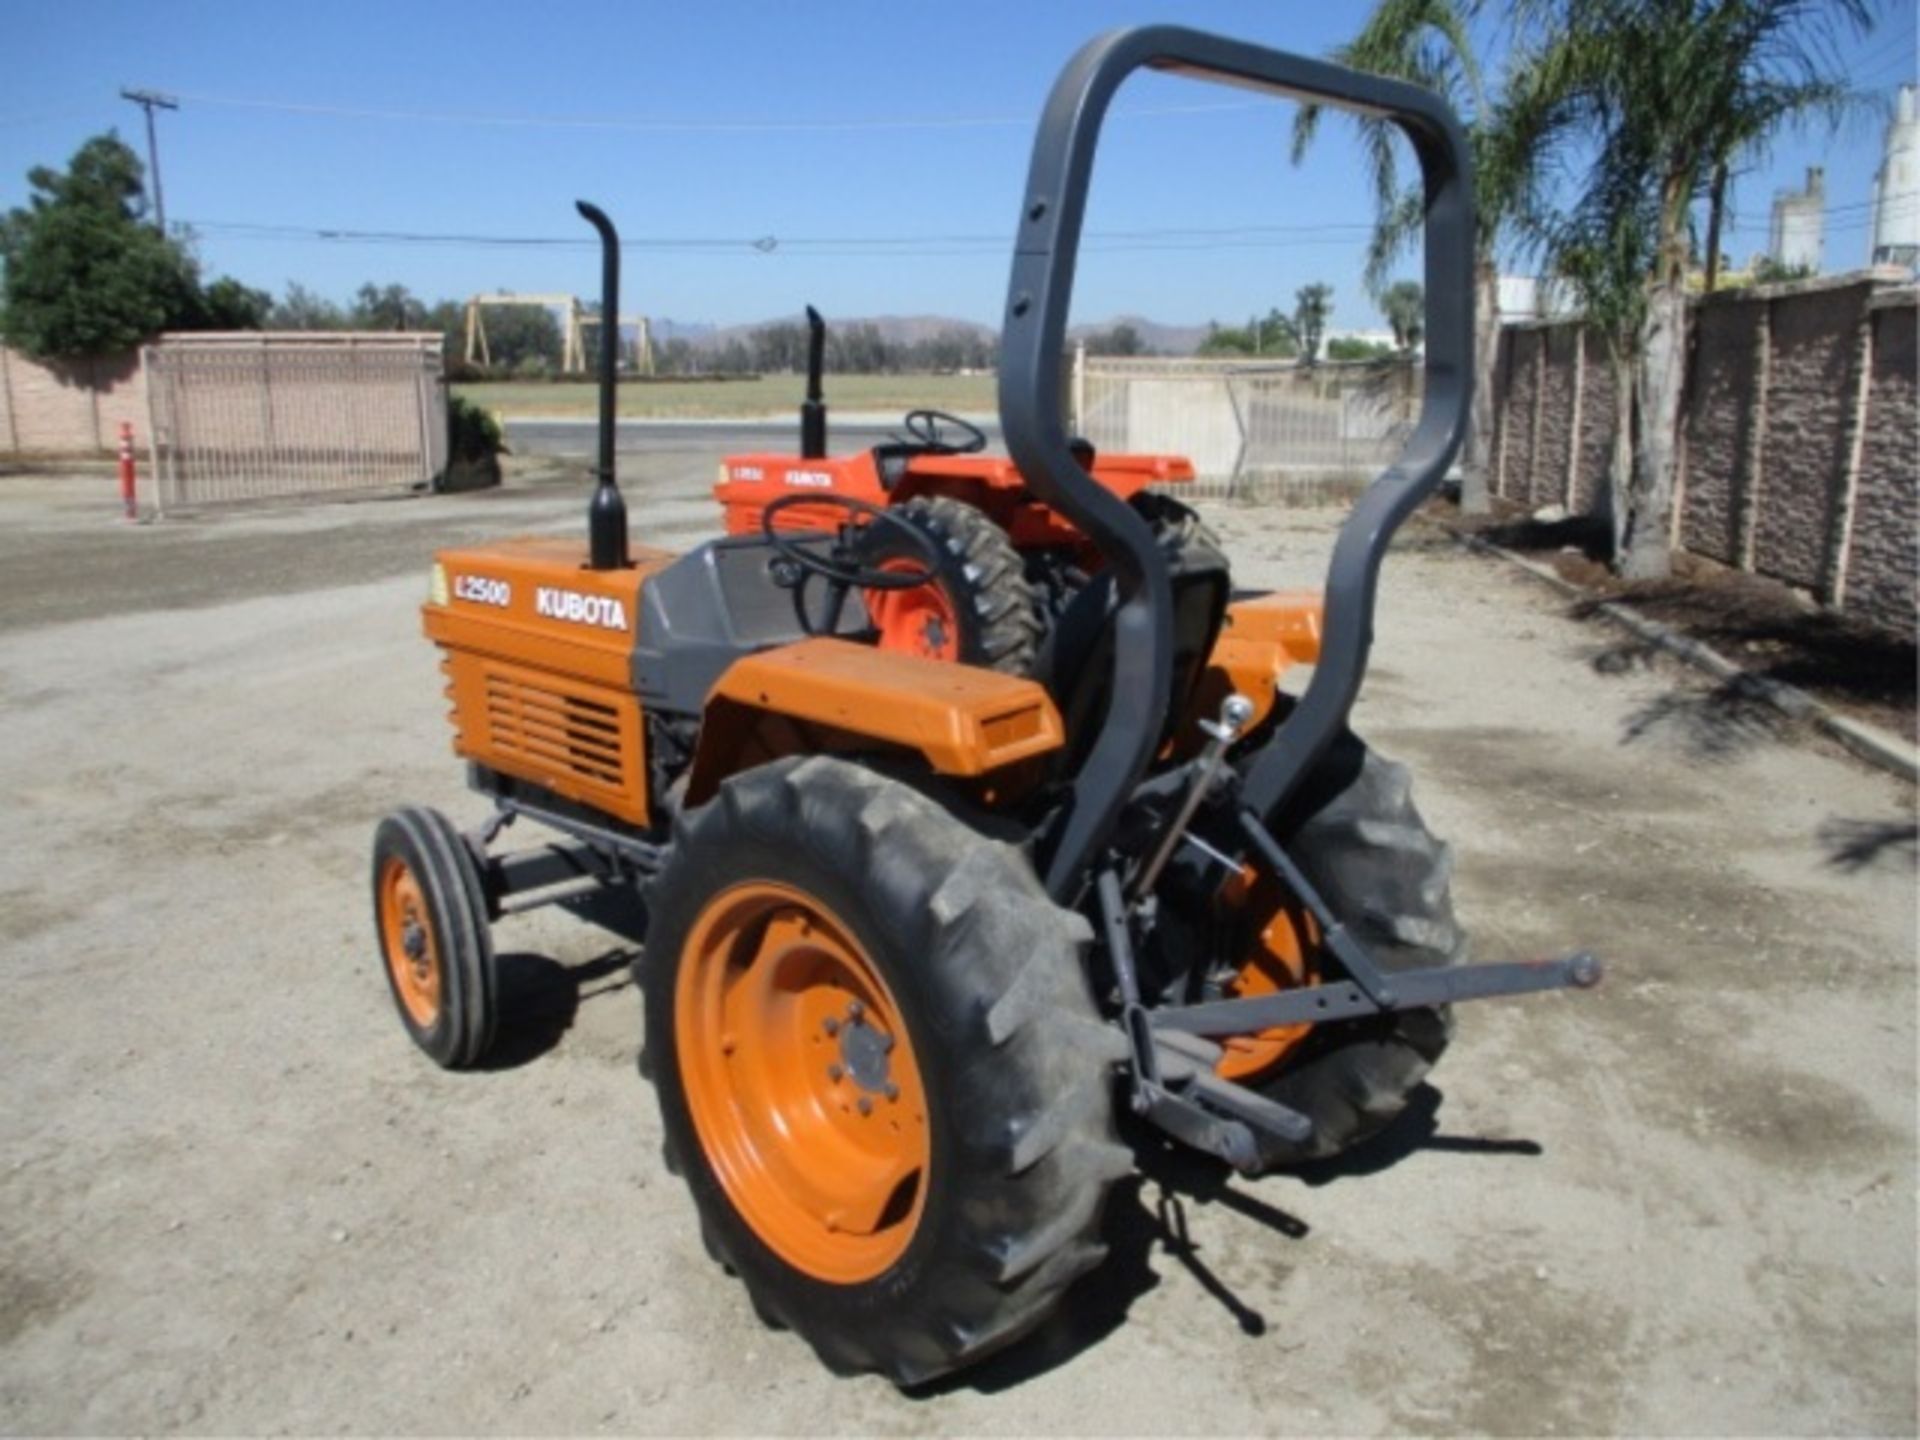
[
  {"x": 924, "y": 426},
  {"x": 841, "y": 566}
]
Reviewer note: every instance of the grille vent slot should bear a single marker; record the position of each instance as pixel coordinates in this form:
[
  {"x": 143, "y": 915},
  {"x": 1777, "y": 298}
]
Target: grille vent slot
[{"x": 550, "y": 729}]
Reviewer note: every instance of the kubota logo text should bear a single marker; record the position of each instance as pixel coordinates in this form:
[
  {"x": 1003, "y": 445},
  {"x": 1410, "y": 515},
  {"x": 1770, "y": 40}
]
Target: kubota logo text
[
  {"x": 819, "y": 479},
  {"x": 601, "y": 610}
]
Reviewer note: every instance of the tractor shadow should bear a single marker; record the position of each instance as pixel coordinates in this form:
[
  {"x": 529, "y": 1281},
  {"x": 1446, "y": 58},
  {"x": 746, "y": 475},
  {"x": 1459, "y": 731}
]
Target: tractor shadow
[
  {"x": 539, "y": 998},
  {"x": 1146, "y": 1217},
  {"x": 1856, "y": 846}
]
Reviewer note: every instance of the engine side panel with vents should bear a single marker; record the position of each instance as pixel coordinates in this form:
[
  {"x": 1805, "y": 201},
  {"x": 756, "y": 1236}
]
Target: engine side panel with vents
[{"x": 538, "y": 657}]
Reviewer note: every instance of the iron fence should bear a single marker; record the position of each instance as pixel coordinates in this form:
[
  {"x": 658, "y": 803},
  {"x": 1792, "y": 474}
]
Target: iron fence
[
  {"x": 1248, "y": 425},
  {"x": 252, "y": 416}
]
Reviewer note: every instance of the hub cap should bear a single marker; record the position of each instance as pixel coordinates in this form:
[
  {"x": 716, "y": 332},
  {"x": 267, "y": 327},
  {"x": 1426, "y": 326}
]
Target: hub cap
[
  {"x": 802, "y": 1082},
  {"x": 407, "y": 941},
  {"x": 920, "y": 621}
]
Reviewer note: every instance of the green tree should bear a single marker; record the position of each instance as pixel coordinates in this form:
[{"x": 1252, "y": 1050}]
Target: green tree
[
  {"x": 1351, "y": 347},
  {"x": 1312, "y": 308},
  {"x": 523, "y": 339},
  {"x": 226, "y": 304},
  {"x": 301, "y": 309},
  {"x": 1404, "y": 303},
  {"x": 390, "y": 307},
  {"x": 1769, "y": 271},
  {"x": 1121, "y": 339},
  {"x": 1271, "y": 336},
  {"x": 1428, "y": 43},
  {"x": 1665, "y": 93},
  {"x": 84, "y": 274}
]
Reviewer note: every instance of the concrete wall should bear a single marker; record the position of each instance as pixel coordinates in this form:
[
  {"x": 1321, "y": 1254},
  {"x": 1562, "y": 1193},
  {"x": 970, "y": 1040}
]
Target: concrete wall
[
  {"x": 68, "y": 408},
  {"x": 1800, "y": 456}
]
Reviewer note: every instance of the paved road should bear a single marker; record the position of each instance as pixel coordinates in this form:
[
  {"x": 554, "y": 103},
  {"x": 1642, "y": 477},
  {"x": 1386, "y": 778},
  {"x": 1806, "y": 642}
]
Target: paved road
[{"x": 232, "y": 1198}]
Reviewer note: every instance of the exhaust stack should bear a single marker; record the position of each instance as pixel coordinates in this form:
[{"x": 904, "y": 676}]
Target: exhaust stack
[
  {"x": 606, "y": 512},
  {"x": 813, "y": 410}
]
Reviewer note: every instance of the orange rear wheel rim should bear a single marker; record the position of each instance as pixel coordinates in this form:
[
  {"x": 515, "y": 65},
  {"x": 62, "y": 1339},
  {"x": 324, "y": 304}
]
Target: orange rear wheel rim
[
  {"x": 802, "y": 1083},
  {"x": 406, "y": 938},
  {"x": 1279, "y": 956},
  {"x": 921, "y": 621}
]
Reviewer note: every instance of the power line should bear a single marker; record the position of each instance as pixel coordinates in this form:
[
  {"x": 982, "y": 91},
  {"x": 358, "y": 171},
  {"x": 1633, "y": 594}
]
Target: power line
[
  {"x": 904, "y": 246},
  {"x": 682, "y": 126}
]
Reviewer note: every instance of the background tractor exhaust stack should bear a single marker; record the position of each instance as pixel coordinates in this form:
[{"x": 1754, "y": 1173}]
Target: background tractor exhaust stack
[{"x": 813, "y": 410}]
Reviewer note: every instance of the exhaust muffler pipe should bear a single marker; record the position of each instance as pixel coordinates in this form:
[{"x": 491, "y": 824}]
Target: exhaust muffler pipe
[{"x": 607, "y": 512}]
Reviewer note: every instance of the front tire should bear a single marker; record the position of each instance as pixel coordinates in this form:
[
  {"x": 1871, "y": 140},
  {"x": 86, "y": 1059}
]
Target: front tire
[
  {"x": 823, "y": 937},
  {"x": 430, "y": 918}
]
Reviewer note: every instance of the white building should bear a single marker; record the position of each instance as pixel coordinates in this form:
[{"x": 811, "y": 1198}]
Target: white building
[
  {"x": 1799, "y": 224},
  {"x": 1528, "y": 297},
  {"x": 1896, "y": 189}
]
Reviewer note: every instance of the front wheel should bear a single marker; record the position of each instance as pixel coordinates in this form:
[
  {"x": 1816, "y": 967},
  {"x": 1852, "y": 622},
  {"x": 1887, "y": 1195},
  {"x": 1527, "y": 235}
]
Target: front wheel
[
  {"x": 430, "y": 917},
  {"x": 879, "y": 1066}
]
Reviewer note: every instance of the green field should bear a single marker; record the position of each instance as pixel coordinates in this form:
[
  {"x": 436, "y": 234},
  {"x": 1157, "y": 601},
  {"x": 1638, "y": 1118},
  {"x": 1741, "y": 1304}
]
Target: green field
[{"x": 731, "y": 399}]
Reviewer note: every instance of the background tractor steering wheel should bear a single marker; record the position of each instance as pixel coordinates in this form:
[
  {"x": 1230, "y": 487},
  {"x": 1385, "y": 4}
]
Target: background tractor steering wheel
[
  {"x": 925, "y": 427},
  {"x": 842, "y": 566}
]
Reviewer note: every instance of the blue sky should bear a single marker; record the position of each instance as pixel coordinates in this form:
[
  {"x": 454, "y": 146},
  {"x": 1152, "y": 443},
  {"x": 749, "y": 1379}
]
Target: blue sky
[{"x": 871, "y": 215}]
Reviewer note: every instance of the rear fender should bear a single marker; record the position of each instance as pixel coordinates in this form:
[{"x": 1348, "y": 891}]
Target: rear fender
[{"x": 826, "y": 695}]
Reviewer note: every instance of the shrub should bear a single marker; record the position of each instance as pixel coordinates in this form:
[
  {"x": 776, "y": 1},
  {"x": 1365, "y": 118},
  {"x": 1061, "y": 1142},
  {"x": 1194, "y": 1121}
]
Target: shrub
[{"x": 473, "y": 433}]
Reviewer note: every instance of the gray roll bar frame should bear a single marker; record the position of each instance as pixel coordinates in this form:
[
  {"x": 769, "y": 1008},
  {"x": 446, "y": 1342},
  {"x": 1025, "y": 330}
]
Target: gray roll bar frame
[{"x": 1039, "y": 294}]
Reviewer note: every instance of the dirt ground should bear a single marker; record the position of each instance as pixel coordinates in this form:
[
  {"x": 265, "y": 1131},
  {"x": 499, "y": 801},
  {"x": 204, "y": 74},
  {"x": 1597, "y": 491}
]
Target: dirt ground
[
  {"x": 234, "y": 1199},
  {"x": 1770, "y": 630}
]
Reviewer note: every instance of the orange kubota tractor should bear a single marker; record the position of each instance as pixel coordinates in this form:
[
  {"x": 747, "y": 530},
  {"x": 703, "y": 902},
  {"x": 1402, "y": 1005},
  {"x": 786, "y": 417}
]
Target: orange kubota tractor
[
  {"x": 913, "y": 930},
  {"x": 1004, "y": 562}
]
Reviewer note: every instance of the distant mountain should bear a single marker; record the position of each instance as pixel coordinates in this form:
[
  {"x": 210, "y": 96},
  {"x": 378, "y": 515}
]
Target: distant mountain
[
  {"x": 1161, "y": 339},
  {"x": 895, "y": 329},
  {"x": 1158, "y": 338}
]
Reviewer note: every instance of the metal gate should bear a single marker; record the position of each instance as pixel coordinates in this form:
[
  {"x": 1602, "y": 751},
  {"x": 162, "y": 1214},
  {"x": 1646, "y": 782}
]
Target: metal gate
[
  {"x": 1244, "y": 424},
  {"x": 255, "y": 416}
]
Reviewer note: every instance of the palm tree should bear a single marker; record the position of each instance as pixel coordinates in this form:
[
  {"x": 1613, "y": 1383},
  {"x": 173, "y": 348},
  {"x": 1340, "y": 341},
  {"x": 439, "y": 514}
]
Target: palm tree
[
  {"x": 1669, "y": 92},
  {"x": 1428, "y": 42},
  {"x": 1404, "y": 303},
  {"x": 1312, "y": 308}
]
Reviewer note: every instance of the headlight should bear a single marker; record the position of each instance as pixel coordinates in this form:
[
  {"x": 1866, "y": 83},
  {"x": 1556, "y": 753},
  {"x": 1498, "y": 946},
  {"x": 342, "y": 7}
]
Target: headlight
[{"x": 437, "y": 584}]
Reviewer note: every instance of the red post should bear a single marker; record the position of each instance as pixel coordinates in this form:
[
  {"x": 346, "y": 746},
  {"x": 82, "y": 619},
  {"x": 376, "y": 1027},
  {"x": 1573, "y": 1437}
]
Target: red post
[{"x": 129, "y": 509}]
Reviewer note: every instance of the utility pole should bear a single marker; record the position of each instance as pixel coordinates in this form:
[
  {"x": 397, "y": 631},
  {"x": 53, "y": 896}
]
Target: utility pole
[{"x": 149, "y": 101}]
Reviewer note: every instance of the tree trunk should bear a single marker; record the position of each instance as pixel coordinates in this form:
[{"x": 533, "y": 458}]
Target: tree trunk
[
  {"x": 1476, "y": 470},
  {"x": 1618, "y": 498},
  {"x": 1646, "y": 553},
  {"x": 1716, "y": 209}
]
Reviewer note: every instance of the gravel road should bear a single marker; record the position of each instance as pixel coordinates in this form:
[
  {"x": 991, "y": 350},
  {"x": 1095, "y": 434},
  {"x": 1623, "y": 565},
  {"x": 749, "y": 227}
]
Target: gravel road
[{"x": 234, "y": 1199}]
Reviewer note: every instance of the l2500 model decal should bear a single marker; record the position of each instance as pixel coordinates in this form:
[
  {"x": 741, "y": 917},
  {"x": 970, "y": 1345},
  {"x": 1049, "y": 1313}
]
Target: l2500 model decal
[{"x": 482, "y": 590}]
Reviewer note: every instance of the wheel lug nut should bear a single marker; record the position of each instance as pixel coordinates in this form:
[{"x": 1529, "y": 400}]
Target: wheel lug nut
[
  {"x": 866, "y": 1106},
  {"x": 892, "y": 1091},
  {"x": 855, "y": 1010},
  {"x": 834, "y": 1072},
  {"x": 830, "y": 1025}
]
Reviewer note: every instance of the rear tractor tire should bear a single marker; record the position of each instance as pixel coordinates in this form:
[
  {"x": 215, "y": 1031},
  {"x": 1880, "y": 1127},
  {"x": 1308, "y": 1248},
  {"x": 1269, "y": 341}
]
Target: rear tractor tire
[
  {"x": 979, "y": 609},
  {"x": 1382, "y": 872},
  {"x": 880, "y": 1070},
  {"x": 430, "y": 918}
]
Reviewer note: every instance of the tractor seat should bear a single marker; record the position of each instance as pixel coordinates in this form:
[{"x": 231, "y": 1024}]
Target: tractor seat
[{"x": 1075, "y": 663}]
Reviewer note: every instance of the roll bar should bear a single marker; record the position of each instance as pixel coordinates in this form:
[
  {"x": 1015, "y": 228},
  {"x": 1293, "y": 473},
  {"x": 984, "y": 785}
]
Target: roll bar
[{"x": 1033, "y": 340}]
